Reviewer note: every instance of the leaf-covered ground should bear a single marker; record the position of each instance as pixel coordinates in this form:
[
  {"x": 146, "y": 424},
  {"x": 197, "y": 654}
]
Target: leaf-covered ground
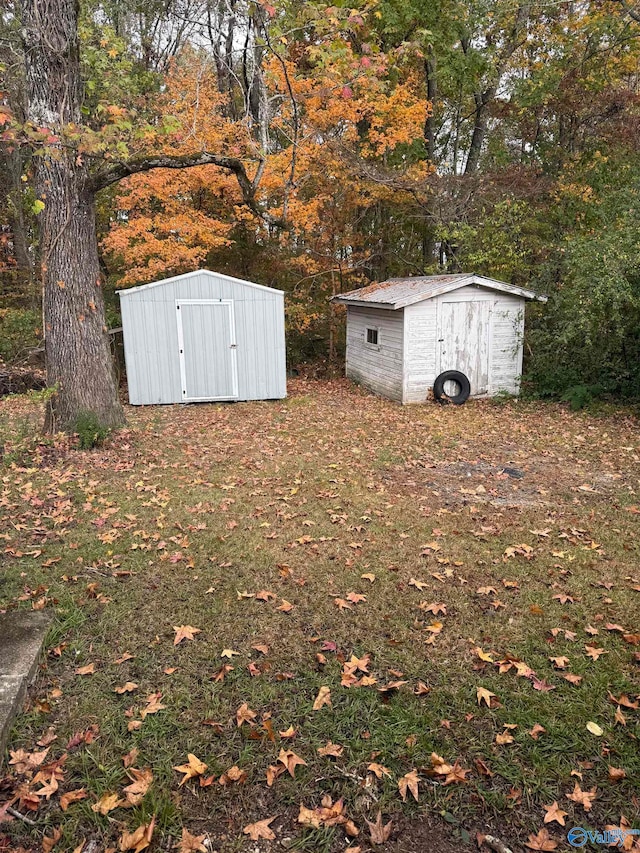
[{"x": 322, "y": 610}]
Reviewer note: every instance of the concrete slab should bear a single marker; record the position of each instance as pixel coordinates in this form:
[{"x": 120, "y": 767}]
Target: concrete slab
[{"x": 22, "y": 634}]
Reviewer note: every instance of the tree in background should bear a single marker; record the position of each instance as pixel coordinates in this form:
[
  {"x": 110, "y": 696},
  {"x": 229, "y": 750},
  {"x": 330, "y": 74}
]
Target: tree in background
[
  {"x": 330, "y": 145},
  {"x": 81, "y": 151}
]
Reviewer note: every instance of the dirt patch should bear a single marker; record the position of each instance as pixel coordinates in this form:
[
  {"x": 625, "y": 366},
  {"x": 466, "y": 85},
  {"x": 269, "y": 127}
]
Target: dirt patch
[{"x": 521, "y": 484}]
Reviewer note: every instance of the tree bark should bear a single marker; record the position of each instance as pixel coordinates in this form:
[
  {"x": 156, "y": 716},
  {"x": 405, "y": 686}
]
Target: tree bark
[
  {"x": 77, "y": 351},
  {"x": 428, "y": 232},
  {"x": 482, "y": 100}
]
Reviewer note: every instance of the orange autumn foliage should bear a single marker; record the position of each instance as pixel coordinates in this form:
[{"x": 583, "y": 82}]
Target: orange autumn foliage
[{"x": 346, "y": 159}]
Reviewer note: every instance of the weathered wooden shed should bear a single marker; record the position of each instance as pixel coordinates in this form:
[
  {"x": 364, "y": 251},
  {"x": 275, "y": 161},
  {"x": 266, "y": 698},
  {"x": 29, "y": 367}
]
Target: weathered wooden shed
[
  {"x": 404, "y": 332},
  {"x": 203, "y": 336}
]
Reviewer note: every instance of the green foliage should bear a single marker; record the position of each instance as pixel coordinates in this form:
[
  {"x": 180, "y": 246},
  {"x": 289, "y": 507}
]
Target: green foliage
[
  {"x": 19, "y": 332},
  {"x": 500, "y": 241},
  {"x": 579, "y": 396},
  {"x": 589, "y": 335},
  {"x": 91, "y": 433}
]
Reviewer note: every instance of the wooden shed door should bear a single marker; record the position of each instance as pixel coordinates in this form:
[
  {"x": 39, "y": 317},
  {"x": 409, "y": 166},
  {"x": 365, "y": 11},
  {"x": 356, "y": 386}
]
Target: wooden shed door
[
  {"x": 464, "y": 341},
  {"x": 207, "y": 349}
]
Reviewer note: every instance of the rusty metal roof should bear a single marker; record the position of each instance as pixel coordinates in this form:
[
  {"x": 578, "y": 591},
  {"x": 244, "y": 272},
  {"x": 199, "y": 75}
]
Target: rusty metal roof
[{"x": 400, "y": 292}]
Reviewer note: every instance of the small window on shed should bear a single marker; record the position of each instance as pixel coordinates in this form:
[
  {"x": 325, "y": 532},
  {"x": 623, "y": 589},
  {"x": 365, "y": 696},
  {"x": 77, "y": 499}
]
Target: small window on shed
[{"x": 372, "y": 337}]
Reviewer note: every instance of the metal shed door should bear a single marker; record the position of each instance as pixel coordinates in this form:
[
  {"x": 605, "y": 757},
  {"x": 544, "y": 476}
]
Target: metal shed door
[
  {"x": 207, "y": 348},
  {"x": 464, "y": 341}
]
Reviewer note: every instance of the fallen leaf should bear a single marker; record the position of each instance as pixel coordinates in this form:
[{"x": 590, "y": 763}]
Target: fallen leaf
[
  {"x": 190, "y": 843},
  {"x": 244, "y": 714},
  {"x": 260, "y": 829},
  {"x": 184, "y": 632},
  {"x": 486, "y": 696},
  {"x": 504, "y": 738},
  {"x": 616, "y": 773},
  {"x": 594, "y": 653},
  {"x": 228, "y": 653},
  {"x": 72, "y": 797},
  {"x": 273, "y": 771},
  {"x": 128, "y": 687},
  {"x": 323, "y": 698},
  {"x": 131, "y": 757},
  {"x": 456, "y": 774},
  {"x": 153, "y": 705},
  {"x": 409, "y": 782},
  {"x": 49, "y": 785},
  {"x": 483, "y": 655},
  {"x": 233, "y": 774},
  {"x": 541, "y": 841},
  {"x": 290, "y": 760},
  {"x": 331, "y": 749},
  {"x": 583, "y": 798},
  {"x": 89, "y": 669},
  {"x": 356, "y": 597},
  {"x": 439, "y": 766},
  {"x": 107, "y": 803},
  {"x": 554, "y": 813},
  {"x": 537, "y": 730},
  {"x": 390, "y": 686},
  {"x": 379, "y": 833},
  {"x": 25, "y": 761},
  {"x": 140, "y": 783},
  {"x": 50, "y": 841},
  {"x": 137, "y": 840},
  {"x": 542, "y": 685},
  {"x": 620, "y": 718},
  {"x": 192, "y": 769}
]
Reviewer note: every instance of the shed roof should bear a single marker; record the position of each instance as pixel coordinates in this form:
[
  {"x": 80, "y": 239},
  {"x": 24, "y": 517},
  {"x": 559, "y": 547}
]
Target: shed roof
[
  {"x": 400, "y": 292},
  {"x": 186, "y": 275}
]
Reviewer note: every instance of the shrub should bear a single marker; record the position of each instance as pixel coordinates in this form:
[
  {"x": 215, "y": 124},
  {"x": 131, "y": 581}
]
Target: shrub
[
  {"x": 91, "y": 433},
  {"x": 579, "y": 396}
]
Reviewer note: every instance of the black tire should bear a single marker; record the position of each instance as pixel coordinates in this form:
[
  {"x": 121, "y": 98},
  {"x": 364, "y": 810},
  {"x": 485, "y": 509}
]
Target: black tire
[{"x": 452, "y": 376}]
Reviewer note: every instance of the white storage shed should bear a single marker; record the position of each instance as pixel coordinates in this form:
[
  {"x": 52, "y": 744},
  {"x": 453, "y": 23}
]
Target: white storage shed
[
  {"x": 404, "y": 332},
  {"x": 203, "y": 336}
]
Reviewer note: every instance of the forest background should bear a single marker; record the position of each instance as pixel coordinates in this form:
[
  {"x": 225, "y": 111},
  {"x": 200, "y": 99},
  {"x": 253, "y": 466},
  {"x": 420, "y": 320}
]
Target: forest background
[{"x": 382, "y": 138}]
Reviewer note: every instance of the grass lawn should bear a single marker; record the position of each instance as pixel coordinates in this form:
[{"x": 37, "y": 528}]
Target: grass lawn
[{"x": 455, "y": 590}]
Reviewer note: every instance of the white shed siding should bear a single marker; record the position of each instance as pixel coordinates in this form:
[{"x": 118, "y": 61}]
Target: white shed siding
[
  {"x": 150, "y": 342},
  {"x": 421, "y": 327},
  {"x": 507, "y": 335},
  {"x": 421, "y": 361},
  {"x": 436, "y": 323},
  {"x": 378, "y": 368},
  {"x": 150, "y": 332}
]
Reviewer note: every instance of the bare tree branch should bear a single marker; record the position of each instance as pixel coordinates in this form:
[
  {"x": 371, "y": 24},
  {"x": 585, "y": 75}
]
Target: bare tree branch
[
  {"x": 124, "y": 169},
  {"x": 632, "y": 11}
]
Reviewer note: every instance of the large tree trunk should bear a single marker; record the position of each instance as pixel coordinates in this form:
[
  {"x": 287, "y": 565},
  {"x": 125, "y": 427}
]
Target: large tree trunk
[{"x": 78, "y": 355}]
